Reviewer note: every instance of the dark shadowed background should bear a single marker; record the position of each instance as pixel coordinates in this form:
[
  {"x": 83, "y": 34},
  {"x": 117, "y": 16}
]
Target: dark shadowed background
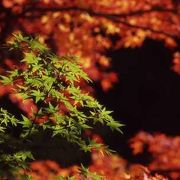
[{"x": 147, "y": 96}]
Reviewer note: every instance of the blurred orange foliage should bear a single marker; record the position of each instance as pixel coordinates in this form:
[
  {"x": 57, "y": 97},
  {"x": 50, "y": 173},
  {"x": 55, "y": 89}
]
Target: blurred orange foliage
[
  {"x": 164, "y": 150},
  {"x": 89, "y": 28},
  {"x": 111, "y": 167}
]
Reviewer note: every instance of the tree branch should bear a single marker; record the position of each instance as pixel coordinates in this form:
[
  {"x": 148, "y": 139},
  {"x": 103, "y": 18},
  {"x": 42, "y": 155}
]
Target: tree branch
[
  {"x": 165, "y": 171},
  {"x": 102, "y": 14},
  {"x": 117, "y": 18},
  {"x": 146, "y": 28}
]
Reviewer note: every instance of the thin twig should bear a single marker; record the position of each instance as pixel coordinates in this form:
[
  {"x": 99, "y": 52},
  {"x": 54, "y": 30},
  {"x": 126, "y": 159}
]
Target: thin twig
[{"x": 102, "y": 14}]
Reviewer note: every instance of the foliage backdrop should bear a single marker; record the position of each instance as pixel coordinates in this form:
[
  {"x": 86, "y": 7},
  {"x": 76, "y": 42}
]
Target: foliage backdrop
[{"x": 88, "y": 29}]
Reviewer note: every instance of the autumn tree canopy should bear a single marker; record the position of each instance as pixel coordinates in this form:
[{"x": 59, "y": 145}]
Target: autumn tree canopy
[{"x": 89, "y": 28}]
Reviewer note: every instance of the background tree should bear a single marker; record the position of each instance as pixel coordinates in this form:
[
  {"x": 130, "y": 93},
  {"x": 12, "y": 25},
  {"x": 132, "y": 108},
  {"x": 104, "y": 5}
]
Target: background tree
[{"x": 88, "y": 29}]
